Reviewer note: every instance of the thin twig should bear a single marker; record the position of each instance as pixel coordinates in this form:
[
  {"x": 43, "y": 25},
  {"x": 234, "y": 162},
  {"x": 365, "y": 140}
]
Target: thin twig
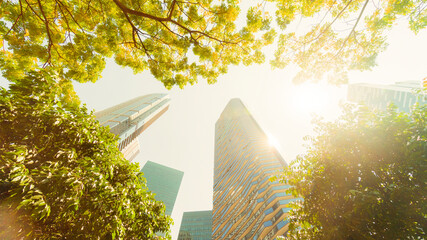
[
  {"x": 352, "y": 30},
  {"x": 329, "y": 25}
]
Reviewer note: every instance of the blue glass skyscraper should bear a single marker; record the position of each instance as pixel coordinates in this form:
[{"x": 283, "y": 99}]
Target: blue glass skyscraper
[
  {"x": 164, "y": 182},
  {"x": 196, "y": 225}
]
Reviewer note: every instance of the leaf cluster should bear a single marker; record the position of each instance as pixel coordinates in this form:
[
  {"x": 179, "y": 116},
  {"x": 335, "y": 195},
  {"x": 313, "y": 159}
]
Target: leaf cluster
[
  {"x": 364, "y": 177},
  {"x": 62, "y": 175},
  {"x": 178, "y": 41},
  {"x": 345, "y": 35}
]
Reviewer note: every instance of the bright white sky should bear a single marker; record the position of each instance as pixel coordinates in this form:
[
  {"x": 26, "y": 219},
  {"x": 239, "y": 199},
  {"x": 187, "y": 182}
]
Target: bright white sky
[{"x": 183, "y": 138}]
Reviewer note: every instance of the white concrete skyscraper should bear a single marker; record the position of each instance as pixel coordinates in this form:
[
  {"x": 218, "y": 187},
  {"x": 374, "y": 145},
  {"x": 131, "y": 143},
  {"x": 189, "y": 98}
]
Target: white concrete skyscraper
[{"x": 129, "y": 119}]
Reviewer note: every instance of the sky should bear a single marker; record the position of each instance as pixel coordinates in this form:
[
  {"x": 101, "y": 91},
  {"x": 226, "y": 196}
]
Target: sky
[{"x": 183, "y": 137}]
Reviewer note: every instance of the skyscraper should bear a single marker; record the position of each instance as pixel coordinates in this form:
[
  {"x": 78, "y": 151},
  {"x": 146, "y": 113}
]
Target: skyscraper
[
  {"x": 246, "y": 204},
  {"x": 196, "y": 226},
  {"x": 401, "y": 94},
  {"x": 164, "y": 182},
  {"x": 131, "y": 118}
]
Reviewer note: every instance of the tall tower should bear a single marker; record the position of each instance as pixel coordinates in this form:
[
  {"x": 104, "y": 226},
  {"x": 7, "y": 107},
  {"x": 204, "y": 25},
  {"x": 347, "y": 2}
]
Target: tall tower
[
  {"x": 131, "y": 118},
  {"x": 246, "y": 204},
  {"x": 401, "y": 94},
  {"x": 164, "y": 182}
]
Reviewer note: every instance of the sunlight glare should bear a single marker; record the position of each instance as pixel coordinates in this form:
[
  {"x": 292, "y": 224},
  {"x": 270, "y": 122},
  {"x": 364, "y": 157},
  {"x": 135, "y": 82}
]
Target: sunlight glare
[
  {"x": 272, "y": 141},
  {"x": 311, "y": 98}
]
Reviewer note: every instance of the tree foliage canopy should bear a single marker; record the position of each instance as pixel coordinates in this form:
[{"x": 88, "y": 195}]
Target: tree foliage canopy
[
  {"x": 62, "y": 175},
  {"x": 176, "y": 40},
  {"x": 363, "y": 177},
  {"x": 342, "y": 35},
  {"x": 179, "y": 41}
]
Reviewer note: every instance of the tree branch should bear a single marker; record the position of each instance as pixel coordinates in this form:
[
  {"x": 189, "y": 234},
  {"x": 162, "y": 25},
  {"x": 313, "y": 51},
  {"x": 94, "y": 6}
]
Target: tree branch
[
  {"x": 34, "y": 11},
  {"x": 65, "y": 18},
  {"x": 138, "y": 13},
  {"x": 167, "y": 19},
  {"x": 170, "y": 30},
  {"x": 50, "y": 43},
  {"x": 16, "y": 21},
  {"x": 333, "y": 21},
  {"x": 171, "y": 9},
  {"x": 352, "y": 30},
  {"x": 135, "y": 32},
  {"x": 72, "y": 16}
]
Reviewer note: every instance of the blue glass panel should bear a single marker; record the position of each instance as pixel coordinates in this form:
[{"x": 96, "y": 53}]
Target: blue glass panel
[
  {"x": 140, "y": 107},
  {"x": 268, "y": 211},
  {"x": 285, "y": 210},
  {"x": 110, "y": 124},
  {"x": 282, "y": 224},
  {"x": 128, "y": 113},
  {"x": 120, "y": 119},
  {"x": 268, "y": 223},
  {"x": 280, "y": 187}
]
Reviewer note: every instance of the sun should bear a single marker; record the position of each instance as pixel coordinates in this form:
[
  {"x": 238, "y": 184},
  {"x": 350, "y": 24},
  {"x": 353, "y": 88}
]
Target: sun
[
  {"x": 272, "y": 141},
  {"x": 310, "y": 98}
]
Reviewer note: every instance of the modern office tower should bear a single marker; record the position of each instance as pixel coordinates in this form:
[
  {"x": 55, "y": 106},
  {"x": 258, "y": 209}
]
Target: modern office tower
[
  {"x": 401, "y": 94},
  {"x": 131, "y": 118},
  {"x": 164, "y": 182},
  {"x": 247, "y": 205},
  {"x": 196, "y": 226},
  {"x": 131, "y": 150}
]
